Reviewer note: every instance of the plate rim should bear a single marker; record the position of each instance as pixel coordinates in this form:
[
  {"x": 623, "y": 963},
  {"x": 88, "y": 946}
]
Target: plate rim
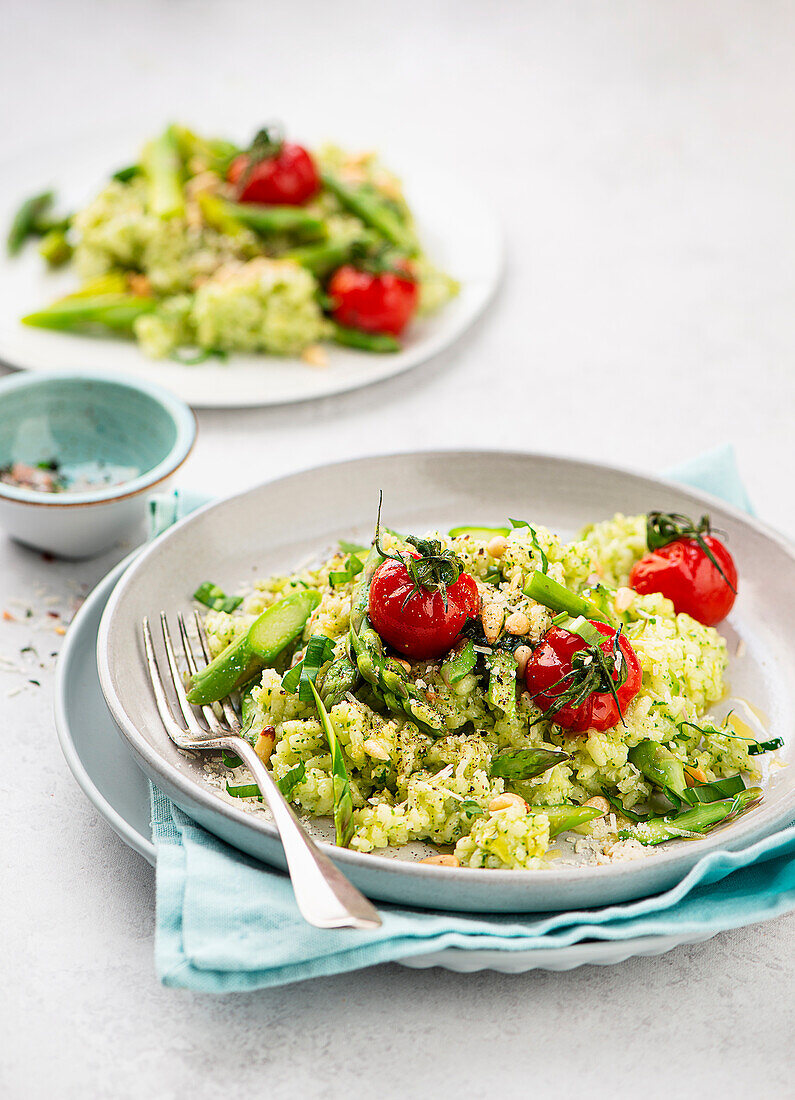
[
  {"x": 72, "y": 642},
  {"x": 194, "y": 792}
]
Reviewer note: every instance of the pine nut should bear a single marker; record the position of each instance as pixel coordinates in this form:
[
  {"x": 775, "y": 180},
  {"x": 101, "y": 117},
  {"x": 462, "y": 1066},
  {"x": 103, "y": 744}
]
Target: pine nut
[
  {"x": 517, "y": 623},
  {"x": 523, "y": 654},
  {"x": 598, "y": 803},
  {"x": 497, "y": 546},
  {"x": 375, "y": 749},
  {"x": 265, "y": 743},
  {"x": 441, "y": 861},
  {"x": 505, "y": 801},
  {"x": 491, "y": 616},
  {"x": 624, "y": 599},
  {"x": 315, "y": 356}
]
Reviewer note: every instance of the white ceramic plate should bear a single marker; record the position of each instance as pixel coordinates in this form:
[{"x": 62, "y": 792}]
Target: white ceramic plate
[
  {"x": 272, "y": 527},
  {"x": 458, "y": 230},
  {"x": 103, "y": 764}
]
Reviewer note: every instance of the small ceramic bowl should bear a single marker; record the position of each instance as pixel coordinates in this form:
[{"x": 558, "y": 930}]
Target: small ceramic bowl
[{"x": 103, "y": 426}]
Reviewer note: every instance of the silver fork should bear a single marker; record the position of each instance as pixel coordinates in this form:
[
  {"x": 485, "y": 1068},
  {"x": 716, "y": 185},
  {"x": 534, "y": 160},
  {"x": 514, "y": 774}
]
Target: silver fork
[{"x": 325, "y": 897}]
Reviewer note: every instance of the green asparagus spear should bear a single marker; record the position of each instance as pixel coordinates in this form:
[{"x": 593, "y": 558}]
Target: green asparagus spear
[
  {"x": 387, "y": 677},
  {"x": 659, "y": 765},
  {"x": 162, "y": 166},
  {"x": 526, "y": 763},
  {"x": 129, "y": 172},
  {"x": 255, "y": 649},
  {"x": 343, "y": 801},
  {"x": 482, "y": 533},
  {"x": 77, "y": 313},
  {"x": 216, "y": 153},
  {"x": 368, "y": 205},
  {"x": 365, "y": 341},
  {"x": 502, "y": 681},
  {"x": 544, "y": 590},
  {"x": 55, "y": 248},
  {"x": 322, "y": 259},
  {"x": 267, "y": 220},
  {"x": 26, "y": 220},
  {"x": 700, "y": 819},
  {"x": 336, "y": 680},
  {"x": 217, "y": 216},
  {"x": 564, "y": 818},
  {"x": 112, "y": 282},
  {"x": 458, "y": 666}
]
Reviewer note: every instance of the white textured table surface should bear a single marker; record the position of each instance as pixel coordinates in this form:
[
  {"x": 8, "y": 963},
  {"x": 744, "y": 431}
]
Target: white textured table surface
[{"x": 641, "y": 157}]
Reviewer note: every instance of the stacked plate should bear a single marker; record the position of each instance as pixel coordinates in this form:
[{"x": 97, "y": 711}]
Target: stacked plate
[{"x": 113, "y": 739}]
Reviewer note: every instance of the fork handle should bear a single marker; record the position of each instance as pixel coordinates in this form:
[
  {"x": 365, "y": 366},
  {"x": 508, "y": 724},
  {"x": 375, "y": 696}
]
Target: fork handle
[{"x": 325, "y": 897}]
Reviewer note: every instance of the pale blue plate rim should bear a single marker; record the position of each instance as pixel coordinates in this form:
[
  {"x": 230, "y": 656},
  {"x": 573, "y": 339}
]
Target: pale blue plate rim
[{"x": 72, "y": 652}]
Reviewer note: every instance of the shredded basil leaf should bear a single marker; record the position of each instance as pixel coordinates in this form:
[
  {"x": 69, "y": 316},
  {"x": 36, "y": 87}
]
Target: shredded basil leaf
[
  {"x": 758, "y": 747},
  {"x": 124, "y": 175},
  {"x": 290, "y": 781},
  {"x": 215, "y": 598},
  {"x": 343, "y": 800},
  {"x": 471, "y": 808},
  {"x": 353, "y": 566},
  {"x": 715, "y": 791},
  {"x": 319, "y": 649},
  {"x": 535, "y": 543},
  {"x": 618, "y": 805},
  {"x": 755, "y": 748},
  {"x": 245, "y": 790}
]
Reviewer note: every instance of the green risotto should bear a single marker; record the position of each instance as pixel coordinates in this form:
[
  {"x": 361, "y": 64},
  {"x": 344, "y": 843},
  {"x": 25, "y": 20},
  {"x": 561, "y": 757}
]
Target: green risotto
[
  {"x": 456, "y": 750},
  {"x": 201, "y": 248}
]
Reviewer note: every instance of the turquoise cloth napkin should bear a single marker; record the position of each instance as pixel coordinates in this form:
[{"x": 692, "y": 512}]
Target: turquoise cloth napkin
[{"x": 226, "y": 922}]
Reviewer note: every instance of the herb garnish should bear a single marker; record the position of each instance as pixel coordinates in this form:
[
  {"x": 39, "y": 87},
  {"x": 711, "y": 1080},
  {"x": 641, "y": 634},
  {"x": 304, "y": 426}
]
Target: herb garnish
[
  {"x": 755, "y": 748},
  {"x": 515, "y": 523},
  {"x": 343, "y": 801},
  {"x": 266, "y": 145},
  {"x": 593, "y": 671},
  {"x": 472, "y": 808},
  {"x": 663, "y": 528},
  {"x": 319, "y": 650},
  {"x": 353, "y": 567},
  {"x": 290, "y": 781},
  {"x": 434, "y": 570},
  {"x": 215, "y": 598}
]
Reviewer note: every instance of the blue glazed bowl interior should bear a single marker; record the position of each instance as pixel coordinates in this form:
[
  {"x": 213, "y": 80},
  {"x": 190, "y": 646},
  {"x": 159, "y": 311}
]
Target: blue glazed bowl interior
[{"x": 76, "y": 421}]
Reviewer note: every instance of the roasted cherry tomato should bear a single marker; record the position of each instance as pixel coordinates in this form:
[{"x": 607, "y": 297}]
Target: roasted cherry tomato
[
  {"x": 375, "y": 302},
  {"x": 287, "y": 178},
  {"x": 689, "y": 565},
  {"x": 548, "y": 676},
  {"x": 415, "y": 621}
]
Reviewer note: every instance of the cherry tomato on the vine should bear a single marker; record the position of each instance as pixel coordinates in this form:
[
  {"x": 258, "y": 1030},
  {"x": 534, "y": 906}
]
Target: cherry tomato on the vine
[
  {"x": 287, "y": 178},
  {"x": 548, "y": 676},
  {"x": 414, "y": 621},
  {"x": 373, "y": 301},
  {"x": 683, "y": 572}
]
